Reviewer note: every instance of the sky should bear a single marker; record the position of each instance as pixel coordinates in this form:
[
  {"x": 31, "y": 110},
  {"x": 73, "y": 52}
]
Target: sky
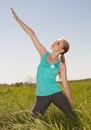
[{"x": 50, "y": 20}]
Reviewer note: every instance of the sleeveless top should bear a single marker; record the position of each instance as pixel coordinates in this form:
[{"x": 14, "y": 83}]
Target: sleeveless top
[{"x": 46, "y": 77}]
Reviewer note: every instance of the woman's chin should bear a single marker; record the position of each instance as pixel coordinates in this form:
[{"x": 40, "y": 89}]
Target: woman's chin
[{"x": 51, "y": 47}]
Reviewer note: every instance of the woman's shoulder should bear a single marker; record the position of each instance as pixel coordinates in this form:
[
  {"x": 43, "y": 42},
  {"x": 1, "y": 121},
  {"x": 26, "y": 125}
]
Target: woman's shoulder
[{"x": 45, "y": 54}]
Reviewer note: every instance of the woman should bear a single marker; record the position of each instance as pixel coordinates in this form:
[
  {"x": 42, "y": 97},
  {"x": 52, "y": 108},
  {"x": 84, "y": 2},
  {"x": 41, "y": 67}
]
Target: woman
[{"x": 47, "y": 90}]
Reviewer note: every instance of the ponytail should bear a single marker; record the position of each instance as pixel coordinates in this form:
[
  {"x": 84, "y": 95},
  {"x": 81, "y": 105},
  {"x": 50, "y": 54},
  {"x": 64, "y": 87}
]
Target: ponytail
[{"x": 62, "y": 58}]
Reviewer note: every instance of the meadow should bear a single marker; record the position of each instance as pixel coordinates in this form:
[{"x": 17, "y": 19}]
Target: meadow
[{"x": 16, "y": 102}]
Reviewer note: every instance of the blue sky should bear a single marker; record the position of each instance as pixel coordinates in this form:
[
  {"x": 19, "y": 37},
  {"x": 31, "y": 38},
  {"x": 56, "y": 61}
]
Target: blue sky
[{"x": 50, "y": 19}]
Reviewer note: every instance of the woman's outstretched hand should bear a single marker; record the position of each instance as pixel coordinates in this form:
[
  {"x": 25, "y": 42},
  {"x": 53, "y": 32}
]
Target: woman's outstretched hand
[
  {"x": 14, "y": 14},
  {"x": 41, "y": 49}
]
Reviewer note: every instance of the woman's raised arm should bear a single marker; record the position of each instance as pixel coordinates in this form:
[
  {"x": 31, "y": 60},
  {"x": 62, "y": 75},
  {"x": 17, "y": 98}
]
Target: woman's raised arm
[{"x": 41, "y": 49}]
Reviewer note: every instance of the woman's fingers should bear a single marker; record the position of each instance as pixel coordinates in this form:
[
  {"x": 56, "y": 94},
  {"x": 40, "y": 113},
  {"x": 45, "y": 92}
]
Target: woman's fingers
[{"x": 14, "y": 14}]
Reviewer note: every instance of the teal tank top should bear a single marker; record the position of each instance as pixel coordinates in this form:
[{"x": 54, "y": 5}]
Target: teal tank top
[{"x": 46, "y": 77}]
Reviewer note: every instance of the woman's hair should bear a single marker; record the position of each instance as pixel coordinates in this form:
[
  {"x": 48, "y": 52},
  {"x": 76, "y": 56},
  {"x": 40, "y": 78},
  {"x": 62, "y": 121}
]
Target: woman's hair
[
  {"x": 62, "y": 58},
  {"x": 66, "y": 47}
]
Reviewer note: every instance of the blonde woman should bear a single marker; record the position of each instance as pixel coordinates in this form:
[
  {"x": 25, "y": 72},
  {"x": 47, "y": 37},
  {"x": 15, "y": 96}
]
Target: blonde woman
[{"x": 47, "y": 89}]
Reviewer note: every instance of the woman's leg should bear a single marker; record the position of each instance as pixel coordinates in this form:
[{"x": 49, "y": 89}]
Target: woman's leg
[
  {"x": 61, "y": 101},
  {"x": 40, "y": 105}
]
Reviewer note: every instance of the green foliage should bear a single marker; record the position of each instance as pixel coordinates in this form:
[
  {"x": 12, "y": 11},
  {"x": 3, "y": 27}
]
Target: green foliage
[{"x": 16, "y": 103}]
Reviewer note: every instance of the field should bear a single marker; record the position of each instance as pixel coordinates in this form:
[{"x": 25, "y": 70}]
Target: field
[{"x": 16, "y": 102}]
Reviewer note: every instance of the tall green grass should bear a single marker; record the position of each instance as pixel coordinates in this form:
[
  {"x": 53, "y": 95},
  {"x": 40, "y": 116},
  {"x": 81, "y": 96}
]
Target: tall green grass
[{"x": 16, "y": 104}]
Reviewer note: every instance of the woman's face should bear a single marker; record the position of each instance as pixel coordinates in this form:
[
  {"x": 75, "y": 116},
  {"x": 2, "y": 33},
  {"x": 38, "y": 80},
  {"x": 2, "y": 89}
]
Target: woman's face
[{"x": 58, "y": 46}]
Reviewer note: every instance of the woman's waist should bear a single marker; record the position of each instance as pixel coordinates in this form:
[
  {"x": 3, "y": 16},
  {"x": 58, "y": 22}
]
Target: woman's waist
[{"x": 47, "y": 90}]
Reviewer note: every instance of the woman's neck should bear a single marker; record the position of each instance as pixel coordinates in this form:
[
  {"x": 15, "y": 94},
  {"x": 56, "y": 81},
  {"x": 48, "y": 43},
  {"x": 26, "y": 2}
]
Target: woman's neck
[
  {"x": 54, "y": 55},
  {"x": 52, "y": 58}
]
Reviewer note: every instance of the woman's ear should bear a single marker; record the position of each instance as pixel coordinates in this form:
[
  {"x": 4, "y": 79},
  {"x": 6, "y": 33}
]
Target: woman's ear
[{"x": 61, "y": 51}]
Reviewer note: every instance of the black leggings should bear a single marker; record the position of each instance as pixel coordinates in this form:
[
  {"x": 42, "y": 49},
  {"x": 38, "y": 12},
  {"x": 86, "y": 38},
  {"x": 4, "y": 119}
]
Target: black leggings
[{"x": 59, "y": 99}]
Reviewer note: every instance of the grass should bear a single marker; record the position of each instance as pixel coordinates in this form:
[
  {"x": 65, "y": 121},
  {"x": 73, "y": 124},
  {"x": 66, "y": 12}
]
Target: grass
[{"x": 16, "y": 103}]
